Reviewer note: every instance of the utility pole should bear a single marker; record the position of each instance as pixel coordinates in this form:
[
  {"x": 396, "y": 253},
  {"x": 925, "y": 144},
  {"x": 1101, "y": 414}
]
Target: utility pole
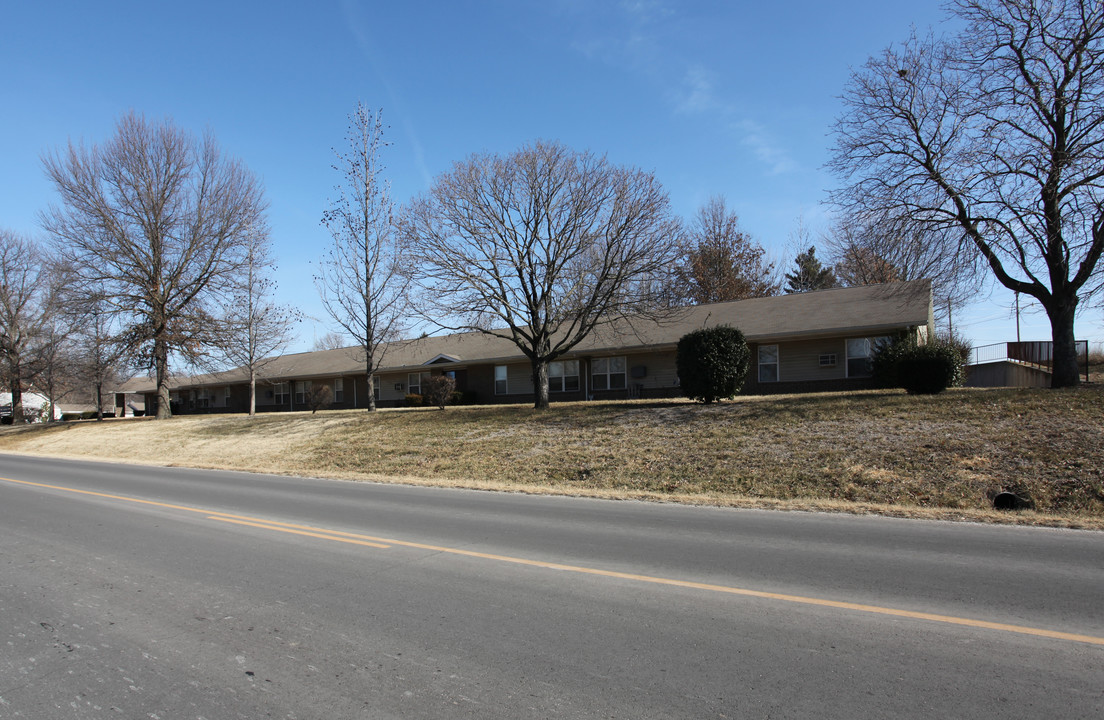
[{"x": 1017, "y": 316}]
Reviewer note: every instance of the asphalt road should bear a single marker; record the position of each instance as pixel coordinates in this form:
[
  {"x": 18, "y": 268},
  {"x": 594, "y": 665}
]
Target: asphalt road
[{"x": 139, "y": 592}]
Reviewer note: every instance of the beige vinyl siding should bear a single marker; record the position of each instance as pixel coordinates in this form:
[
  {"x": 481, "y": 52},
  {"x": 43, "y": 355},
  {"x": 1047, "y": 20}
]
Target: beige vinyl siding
[
  {"x": 388, "y": 393},
  {"x": 660, "y": 372},
  {"x": 800, "y": 361},
  {"x": 519, "y": 379},
  {"x": 266, "y": 394}
]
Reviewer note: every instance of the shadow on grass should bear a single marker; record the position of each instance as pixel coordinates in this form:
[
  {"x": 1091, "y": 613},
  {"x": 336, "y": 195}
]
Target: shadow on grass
[{"x": 34, "y": 428}]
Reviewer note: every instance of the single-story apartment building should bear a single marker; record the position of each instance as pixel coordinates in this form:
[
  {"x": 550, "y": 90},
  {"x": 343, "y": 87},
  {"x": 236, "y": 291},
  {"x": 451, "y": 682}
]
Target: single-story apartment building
[{"x": 804, "y": 342}]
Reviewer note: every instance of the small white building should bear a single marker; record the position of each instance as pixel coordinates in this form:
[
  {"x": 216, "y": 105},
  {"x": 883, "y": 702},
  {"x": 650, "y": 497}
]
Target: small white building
[{"x": 35, "y": 406}]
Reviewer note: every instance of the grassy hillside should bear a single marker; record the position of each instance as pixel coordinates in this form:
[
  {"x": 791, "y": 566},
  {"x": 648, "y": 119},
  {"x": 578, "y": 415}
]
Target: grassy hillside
[{"x": 941, "y": 456}]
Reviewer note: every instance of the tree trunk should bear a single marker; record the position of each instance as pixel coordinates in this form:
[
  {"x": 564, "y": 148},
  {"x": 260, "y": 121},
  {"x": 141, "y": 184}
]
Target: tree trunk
[
  {"x": 50, "y": 400},
  {"x": 17, "y": 393},
  {"x": 252, "y": 392},
  {"x": 540, "y": 384},
  {"x": 371, "y": 391},
  {"x": 99, "y": 401},
  {"x": 161, "y": 364},
  {"x": 1065, "y": 372}
]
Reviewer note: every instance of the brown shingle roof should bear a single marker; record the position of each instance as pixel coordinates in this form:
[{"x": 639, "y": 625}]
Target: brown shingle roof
[{"x": 858, "y": 311}]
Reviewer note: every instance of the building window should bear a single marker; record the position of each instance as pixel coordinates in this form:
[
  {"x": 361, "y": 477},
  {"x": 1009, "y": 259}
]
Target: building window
[
  {"x": 339, "y": 390},
  {"x": 607, "y": 373},
  {"x": 203, "y": 398},
  {"x": 563, "y": 376},
  {"x": 501, "y": 386},
  {"x": 222, "y": 399},
  {"x": 860, "y": 352},
  {"x": 768, "y": 363},
  {"x": 280, "y": 393},
  {"x": 414, "y": 382},
  {"x": 302, "y": 387},
  {"x": 376, "y": 387}
]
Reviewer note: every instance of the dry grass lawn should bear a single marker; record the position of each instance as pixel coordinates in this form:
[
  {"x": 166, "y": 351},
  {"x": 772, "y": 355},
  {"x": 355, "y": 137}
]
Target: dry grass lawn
[{"x": 880, "y": 451}]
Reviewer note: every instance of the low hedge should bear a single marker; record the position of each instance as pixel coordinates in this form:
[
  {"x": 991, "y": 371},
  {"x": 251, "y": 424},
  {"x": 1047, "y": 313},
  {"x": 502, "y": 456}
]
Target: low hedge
[{"x": 929, "y": 369}]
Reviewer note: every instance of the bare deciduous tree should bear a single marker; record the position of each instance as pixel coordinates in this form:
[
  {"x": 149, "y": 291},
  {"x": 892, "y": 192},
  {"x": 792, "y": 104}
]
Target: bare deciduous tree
[
  {"x": 999, "y": 135},
  {"x": 55, "y": 364},
  {"x": 163, "y": 221},
  {"x": 719, "y": 262},
  {"x": 437, "y": 390},
  {"x": 539, "y": 247},
  {"x": 361, "y": 281},
  {"x": 254, "y": 330},
  {"x": 318, "y": 397},
  {"x": 330, "y": 341},
  {"x": 28, "y": 303},
  {"x": 100, "y": 351}
]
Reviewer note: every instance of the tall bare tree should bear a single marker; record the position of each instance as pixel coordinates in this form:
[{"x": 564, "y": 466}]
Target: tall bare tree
[
  {"x": 539, "y": 247},
  {"x": 998, "y": 134},
  {"x": 361, "y": 279},
  {"x": 719, "y": 262},
  {"x": 28, "y": 304},
  {"x": 162, "y": 220},
  {"x": 254, "y": 329}
]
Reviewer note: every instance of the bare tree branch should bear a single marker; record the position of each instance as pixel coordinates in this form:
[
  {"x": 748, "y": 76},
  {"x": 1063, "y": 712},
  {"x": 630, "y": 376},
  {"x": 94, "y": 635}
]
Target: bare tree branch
[{"x": 869, "y": 250}]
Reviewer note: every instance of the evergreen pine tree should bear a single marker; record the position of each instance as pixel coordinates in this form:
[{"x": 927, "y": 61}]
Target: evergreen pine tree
[{"x": 809, "y": 274}]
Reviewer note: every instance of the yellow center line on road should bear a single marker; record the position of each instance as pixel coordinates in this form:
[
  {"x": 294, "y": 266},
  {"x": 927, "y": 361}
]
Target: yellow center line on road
[
  {"x": 215, "y": 514},
  {"x": 386, "y": 542},
  {"x": 290, "y": 529}
]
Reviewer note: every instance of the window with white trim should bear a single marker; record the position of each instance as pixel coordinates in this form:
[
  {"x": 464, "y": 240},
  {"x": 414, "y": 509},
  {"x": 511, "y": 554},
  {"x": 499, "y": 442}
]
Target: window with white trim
[
  {"x": 414, "y": 382},
  {"x": 607, "y": 373},
  {"x": 339, "y": 390},
  {"x": 563, "y": 376},
  {"x": 302, "y": 387},
  {"x": 501, "y": 384},
  {"x": 376, "y": 387},
  {"x": 203, "y": 398},
  {"x": 860, "y": 352},
  {"x": 768, "y": 363},
  {"x": 280, "y": 393}
]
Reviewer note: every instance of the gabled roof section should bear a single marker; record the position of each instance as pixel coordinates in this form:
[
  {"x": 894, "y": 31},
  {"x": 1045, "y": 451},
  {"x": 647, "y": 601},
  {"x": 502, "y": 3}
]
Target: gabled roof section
[{"x": 442, "y": 358}]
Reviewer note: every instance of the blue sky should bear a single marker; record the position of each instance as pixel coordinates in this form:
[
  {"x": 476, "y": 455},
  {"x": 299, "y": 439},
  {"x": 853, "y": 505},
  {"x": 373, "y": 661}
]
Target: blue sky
[{"x": 717, "y": 98}]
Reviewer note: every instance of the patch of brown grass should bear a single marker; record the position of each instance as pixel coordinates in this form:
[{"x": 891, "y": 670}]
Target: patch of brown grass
[{"x": 881, "y": 451}]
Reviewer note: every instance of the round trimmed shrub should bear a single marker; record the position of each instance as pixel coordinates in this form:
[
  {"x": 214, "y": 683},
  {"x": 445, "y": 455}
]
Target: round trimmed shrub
[
  {"x": 712, "y": 363},
  {"x": 885, "y": 363},
  {"x": 929, "y": 369}
]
